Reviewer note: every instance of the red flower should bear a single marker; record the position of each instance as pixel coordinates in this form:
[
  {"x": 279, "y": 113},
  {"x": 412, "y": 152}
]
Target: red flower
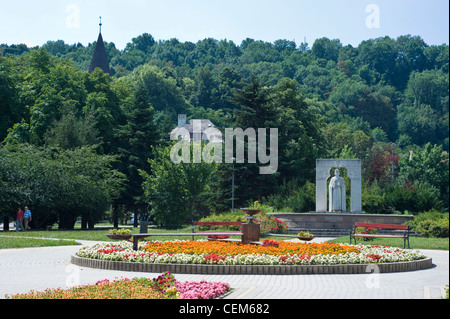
[
  {"x": 374, "y": 257},
  {"x": 218, "y": 236},
  {"x": 270, "y": 242},
  {"x": 214, "y": 258}
]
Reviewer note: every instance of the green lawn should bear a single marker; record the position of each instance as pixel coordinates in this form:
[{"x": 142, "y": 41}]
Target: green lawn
[
  {"x": 415, "y": 242},
  {"x": 32, "y": 238},
  {"x": 14, "y": 243}
]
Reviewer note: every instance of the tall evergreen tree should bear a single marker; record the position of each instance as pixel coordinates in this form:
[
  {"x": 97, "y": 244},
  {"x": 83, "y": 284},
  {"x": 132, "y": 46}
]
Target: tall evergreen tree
[
  {"x": 254, "y": 111},
  {"x": 137, "y": 137}
]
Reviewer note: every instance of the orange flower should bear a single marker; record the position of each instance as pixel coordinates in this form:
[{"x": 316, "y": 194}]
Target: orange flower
[{"x": 233, "y": 248}]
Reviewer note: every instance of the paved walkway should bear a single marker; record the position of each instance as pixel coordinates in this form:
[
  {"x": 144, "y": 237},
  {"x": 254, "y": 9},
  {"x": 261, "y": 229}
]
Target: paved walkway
[{"x": 23, "y": 270}]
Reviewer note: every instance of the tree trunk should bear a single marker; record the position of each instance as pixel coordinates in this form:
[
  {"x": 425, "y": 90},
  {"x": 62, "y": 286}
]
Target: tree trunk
[
  {"x": 135, "y": 217},
  {"x": 67, "y": 221},
  {"x": 5, "y": 223},
  {"x": 84, "y": 223},
  {"x": 91, "y": 224}
]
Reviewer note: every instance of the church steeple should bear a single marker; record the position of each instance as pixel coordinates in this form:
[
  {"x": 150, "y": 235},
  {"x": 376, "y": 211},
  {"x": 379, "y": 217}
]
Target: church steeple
[{"x": 99, "y": 58}]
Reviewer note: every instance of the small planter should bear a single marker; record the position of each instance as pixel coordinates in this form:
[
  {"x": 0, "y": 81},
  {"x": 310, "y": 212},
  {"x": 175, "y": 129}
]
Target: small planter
[
  {"x": 251, "y": 212},
  {"x": 306, "y": 238}
]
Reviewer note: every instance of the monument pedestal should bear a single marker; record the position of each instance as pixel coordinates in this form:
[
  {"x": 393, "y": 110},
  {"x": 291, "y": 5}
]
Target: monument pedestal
[
  {"x": 339, "y": 213},
  {"x": 251, "y": 232}
]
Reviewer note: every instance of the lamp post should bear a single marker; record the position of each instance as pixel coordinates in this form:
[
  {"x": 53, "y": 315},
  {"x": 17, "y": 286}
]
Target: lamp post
[
  {"x": 232, "y": 188},
  {"x": 392, "y": 162}
]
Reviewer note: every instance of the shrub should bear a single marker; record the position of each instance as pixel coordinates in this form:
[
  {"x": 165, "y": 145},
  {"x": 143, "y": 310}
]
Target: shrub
[
  {"x": 434, "y": 228},
  {"x": 432, "y": 224},
  {"x": 293, "y": 197},
  {"x": 271, "y": 224},
  {"x": 264, "y": 208}
]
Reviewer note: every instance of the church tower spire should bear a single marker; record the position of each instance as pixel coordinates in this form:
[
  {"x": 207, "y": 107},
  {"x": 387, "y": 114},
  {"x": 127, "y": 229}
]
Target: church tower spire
[{"x": 100, "y": 58}]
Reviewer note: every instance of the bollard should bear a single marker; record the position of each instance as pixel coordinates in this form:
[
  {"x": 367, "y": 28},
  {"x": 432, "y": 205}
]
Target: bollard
[{"x": 143, "y": 227}]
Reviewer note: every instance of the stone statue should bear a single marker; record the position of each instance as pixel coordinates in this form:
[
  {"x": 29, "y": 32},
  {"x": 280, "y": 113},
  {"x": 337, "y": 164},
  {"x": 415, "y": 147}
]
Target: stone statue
[{"x": 337, "y": 194}]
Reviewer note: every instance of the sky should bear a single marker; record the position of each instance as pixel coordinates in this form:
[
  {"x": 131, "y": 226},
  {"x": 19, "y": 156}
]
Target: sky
[{"x": 351, "y": 21}]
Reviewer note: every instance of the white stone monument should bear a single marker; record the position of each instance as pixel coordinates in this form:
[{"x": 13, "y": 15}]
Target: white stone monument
[
  {"x": 337, "y": 194},
  {"x": 337, "y": 201}
]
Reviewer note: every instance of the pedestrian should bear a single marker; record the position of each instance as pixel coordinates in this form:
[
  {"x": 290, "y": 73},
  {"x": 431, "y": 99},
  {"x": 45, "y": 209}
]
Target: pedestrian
[
  {"x": 27, "y": 218},
  {"x": 19, "y": 220}
]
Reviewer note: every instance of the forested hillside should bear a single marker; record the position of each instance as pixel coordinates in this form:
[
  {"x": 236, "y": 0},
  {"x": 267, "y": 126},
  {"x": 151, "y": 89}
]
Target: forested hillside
[{"x": 376, "y": 102}]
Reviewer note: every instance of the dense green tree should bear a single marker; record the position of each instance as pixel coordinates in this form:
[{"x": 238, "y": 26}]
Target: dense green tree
[
  {"x": 229, "y": 80},
  {"x": 206, "y": 89},
  {"x": 136, "y": 139},
  {"x": 327, "y": 49},
  {"x": 315, "y": 79},
  {"x": 380, "y": 54},
  {"x": 428, "y": 87},
  {"x": 103, "y": 102},
  {"x": 358, "y": 100},
  {"x": 259, "y": 51},
  {"x": 143, "y": 43},
  {"x": 437, "y": 57},
  {"x": 421, "y": 124},
  {"x": 9, "y": 114},
  {"x": 300, "y": 140},
  {"x": 50, "y": 86},
  {"x": 175, "y": 192},
  {"x": 58, "y": 185},
  {"x": 429, "y": 165},
  {"x": 343, "y": 101},
  {"x": 255, "y": 111},
  {"x": 336, "y": 136},
  {"x": 14, "y": 49},
  {"x": 72, "y": 130},
  {"x": 163, "y": 94},
  {"x": 228, "y": 52}
]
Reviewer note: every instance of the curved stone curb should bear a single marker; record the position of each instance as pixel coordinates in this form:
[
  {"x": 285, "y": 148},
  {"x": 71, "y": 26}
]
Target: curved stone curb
[{"x": 252, "y": 269}]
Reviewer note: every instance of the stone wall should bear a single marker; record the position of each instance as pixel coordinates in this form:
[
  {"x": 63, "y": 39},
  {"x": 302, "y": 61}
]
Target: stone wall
[
  {"x": 279, "y": 270},
  {"x": 337, "y": 221}
]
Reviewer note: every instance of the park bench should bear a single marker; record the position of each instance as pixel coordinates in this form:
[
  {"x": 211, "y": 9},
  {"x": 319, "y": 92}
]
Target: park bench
[
  {"x": 404, "y": 235},
  {"x": 137, "y": 237}
]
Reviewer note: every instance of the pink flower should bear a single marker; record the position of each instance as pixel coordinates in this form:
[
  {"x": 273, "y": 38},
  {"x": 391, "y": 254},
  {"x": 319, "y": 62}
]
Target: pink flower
[{"x": 202, "y": 289}]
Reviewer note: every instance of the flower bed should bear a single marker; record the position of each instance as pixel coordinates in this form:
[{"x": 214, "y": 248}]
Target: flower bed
[
  {"x": 225, "y": 253},
  {"x": 162, "y": 287}
]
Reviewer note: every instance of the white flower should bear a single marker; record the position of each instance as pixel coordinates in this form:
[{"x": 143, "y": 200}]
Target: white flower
[{"x": 125, "y": 252}]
